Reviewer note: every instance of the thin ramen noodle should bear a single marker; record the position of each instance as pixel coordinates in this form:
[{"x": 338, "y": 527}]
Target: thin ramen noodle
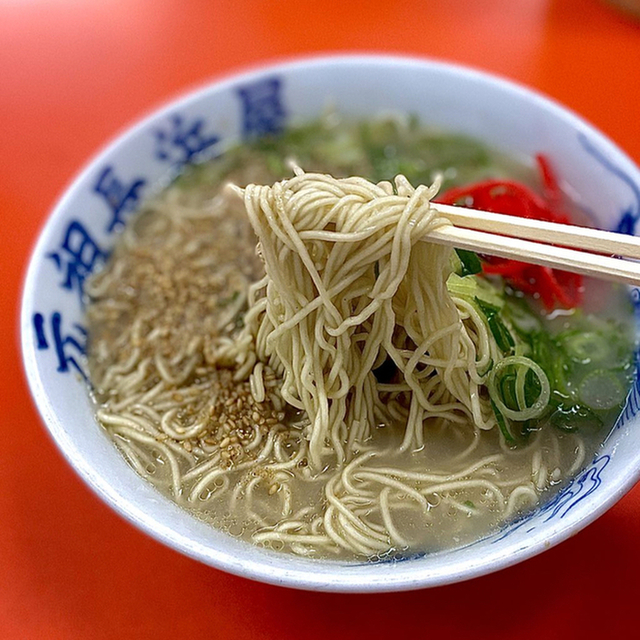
[{"x": 345, "y": 390}]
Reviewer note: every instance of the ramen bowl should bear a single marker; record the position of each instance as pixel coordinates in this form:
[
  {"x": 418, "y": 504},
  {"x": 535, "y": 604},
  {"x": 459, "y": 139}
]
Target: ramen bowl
[{"x": 84, "y": 225}]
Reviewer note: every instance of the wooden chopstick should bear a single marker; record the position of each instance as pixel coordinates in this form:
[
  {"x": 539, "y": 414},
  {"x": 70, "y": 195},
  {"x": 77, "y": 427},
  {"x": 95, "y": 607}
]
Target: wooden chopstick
[
  {"x": 505, "y": 245},
  {"x": 566, "y": 235}
]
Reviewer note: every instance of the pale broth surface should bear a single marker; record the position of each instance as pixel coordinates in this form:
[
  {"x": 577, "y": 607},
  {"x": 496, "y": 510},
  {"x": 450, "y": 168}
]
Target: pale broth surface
[{"x": 176, "y": 288}]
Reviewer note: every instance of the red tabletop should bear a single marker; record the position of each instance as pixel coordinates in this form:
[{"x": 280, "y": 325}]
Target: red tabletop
[{"x": 72, "y": 74}]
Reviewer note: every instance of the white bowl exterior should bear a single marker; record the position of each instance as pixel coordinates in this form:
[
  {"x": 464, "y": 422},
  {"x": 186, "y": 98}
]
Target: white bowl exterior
[{"x": 456, "y": 99}]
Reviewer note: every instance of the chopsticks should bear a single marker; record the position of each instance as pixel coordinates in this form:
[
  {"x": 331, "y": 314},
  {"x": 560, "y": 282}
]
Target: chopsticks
[{"x": 534, "y": 241}]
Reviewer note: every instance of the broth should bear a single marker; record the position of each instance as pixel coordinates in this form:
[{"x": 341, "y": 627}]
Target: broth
[{"x": 176, "y": 288}]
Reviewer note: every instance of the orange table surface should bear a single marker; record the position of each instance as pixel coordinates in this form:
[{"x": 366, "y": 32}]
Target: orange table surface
[{"x": 72, "y": 74}]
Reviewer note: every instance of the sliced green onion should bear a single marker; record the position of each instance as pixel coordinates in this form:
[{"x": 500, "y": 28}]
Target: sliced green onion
[
  {"x": 521, "y": 396},
  {"x": 462, "y": 287},
  {"x": 486, "y": 369},
  {"x": 532, "y": 387},
  {"x": 502, "y": 423},
  {"x": 574, "y": 418},
  {"x": 601, "y": 390},
  {"x": 507, "y": 391},
  {"x": 587, "y": 346},
  {"x": 469, "y": 261},
  {"x": 495, "y": 390},
  {"x": 500, "y": 333},
  {"x": 551, "y": 357},
  {"x": 521, "y": 318}
]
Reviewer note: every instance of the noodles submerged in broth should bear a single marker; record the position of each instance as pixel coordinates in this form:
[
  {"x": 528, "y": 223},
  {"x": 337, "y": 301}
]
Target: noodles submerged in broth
[{"x": 341, "y": 391}]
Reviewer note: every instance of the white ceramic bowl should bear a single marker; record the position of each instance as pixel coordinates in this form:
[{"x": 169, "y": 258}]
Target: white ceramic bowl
[{"x": 206, "y": 121}]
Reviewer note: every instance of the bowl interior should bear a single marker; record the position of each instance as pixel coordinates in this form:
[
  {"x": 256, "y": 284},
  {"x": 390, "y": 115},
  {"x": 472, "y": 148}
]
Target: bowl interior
[{"x": 85, "y": 223}]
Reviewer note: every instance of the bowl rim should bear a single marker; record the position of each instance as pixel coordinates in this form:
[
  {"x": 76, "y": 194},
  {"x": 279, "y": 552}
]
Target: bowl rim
[{"x": 329, "y": 580}]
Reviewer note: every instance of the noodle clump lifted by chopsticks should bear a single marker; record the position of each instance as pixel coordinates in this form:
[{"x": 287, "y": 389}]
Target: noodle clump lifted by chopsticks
[{"x": 350, "y": 287}]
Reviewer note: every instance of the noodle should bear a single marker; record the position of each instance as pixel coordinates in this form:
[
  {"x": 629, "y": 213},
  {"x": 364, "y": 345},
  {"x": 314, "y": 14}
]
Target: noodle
[
  {"x": 330, "y": 394},
  {"x": 361, "y": 274}
]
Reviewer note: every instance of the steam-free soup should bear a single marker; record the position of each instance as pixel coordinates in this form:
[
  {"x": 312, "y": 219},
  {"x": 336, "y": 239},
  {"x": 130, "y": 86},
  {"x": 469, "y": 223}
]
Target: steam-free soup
[{"x": 348, "y": 390}]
